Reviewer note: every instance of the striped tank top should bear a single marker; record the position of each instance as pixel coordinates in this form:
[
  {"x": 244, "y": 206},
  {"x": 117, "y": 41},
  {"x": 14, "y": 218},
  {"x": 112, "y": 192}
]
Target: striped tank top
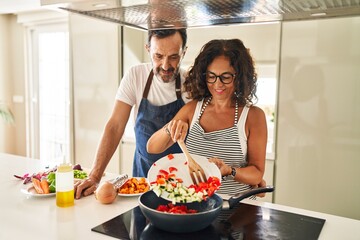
[{"x": 227, "y": 144}]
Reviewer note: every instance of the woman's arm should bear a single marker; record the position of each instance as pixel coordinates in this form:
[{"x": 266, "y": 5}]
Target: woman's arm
[
  {"x": 256, "y": 132},
  {"x": 174, "y": 130}
]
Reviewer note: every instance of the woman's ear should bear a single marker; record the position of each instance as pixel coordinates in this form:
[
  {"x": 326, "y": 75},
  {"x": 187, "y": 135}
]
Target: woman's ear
[{"x": 185, "y": 49}]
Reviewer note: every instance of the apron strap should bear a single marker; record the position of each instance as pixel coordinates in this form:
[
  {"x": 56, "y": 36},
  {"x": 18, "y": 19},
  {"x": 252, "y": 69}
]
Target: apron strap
[
  {"x": 149, "y": 81},
  {"x": 178, "y": 86}
]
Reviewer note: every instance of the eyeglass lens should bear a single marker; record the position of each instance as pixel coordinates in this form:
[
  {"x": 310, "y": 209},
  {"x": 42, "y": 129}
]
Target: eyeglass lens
[{"x": 225, "y": 78}]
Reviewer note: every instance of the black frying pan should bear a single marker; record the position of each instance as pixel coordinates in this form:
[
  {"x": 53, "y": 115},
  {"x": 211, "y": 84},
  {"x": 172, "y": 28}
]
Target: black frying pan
[{"x": 207, "y": 211}]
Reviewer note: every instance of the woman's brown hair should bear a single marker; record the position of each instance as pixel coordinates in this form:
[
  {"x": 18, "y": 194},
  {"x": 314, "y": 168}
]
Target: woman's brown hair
[{"x": 240, "y": 59}]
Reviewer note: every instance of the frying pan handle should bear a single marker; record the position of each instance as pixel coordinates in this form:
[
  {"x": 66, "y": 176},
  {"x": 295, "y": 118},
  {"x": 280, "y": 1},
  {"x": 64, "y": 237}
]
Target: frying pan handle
[{"x": 240, "y": 196}]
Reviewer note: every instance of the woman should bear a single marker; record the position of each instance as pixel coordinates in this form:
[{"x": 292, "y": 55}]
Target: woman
[{"x": 225, "y": 126}]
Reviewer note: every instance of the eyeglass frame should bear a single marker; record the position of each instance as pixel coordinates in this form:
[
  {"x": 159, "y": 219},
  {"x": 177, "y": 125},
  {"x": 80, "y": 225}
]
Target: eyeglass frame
[{"x": 219, "y": 76}]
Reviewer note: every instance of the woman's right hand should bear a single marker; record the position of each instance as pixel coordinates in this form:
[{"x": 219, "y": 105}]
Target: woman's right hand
[{"x": 177, "y": 129}]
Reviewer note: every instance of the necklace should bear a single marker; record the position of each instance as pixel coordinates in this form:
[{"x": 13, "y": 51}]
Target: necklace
[
  {"x": 205, "y": 105},
  {"x": 209, "y": 100}
]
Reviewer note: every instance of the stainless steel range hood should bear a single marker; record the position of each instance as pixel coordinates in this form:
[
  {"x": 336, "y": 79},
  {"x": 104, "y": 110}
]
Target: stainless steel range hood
[{"x": 156, "y": 14}]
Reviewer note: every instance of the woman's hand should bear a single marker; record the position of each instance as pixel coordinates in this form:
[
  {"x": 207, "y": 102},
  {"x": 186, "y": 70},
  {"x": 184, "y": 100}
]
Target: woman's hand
[
  {"x": 177, "y": 129},
  {"x": 224, "y": 168},
  {"x": 166, "y": 136},
  {"x": 261, "y": 184}
]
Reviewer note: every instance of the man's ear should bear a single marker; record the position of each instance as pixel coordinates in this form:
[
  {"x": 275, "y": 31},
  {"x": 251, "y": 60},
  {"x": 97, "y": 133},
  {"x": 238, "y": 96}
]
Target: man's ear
[{"x": 147, "y": 47}]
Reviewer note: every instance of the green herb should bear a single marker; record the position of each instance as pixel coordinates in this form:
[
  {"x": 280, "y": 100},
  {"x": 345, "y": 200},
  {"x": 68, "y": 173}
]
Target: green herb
[
  {"x": 51, "y": 181},
  {"x": 80, "y": 174}
]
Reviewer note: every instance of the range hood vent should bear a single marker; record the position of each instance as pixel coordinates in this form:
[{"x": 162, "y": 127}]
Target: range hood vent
[{"x": 158, "y": 14}]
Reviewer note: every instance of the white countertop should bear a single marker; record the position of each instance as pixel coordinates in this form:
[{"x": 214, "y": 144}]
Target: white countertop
[{"x": 39, "y": 218}]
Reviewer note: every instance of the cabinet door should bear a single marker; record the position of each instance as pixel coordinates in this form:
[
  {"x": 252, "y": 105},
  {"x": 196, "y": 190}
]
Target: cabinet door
[
  {"x": 96, "y": 74},
  {"x": 127, "y": 156},
  {"x": 317, "y": 165}
]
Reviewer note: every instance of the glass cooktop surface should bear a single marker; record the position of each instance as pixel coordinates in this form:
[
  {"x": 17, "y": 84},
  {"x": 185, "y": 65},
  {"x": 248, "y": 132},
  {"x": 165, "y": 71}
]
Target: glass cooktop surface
[{"x": 242, "y": 222}]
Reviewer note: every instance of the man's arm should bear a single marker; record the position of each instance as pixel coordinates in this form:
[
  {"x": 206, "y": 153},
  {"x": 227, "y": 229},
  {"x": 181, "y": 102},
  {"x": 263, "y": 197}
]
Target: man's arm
[{"x": 110, "y": 139}]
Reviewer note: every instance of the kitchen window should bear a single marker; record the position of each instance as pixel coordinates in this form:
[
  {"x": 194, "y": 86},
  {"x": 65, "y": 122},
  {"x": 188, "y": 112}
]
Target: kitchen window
[{"x": 267, "y": 95}]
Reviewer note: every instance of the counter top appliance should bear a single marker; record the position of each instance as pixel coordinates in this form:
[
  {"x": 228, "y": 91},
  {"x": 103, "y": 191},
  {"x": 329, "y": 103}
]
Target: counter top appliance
[{"x": 244, "y": 222}]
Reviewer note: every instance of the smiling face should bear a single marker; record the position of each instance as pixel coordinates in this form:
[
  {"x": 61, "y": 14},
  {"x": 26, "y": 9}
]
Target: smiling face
[
  {"x": 220, "y": 66},
  {"x": 165, "y": 54}
]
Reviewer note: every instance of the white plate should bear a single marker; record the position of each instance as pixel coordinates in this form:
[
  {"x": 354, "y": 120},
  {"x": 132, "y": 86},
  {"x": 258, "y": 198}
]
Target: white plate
[
  {"x": 135, "y": 194},
  {"x": 179, "y": 161},
  {"x": 30, "y": 191}
]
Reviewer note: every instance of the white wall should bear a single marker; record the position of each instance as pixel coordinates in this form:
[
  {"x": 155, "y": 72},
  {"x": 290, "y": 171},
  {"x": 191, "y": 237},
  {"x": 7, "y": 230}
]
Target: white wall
[
  {"x": 4, "y": 78},
  {"x": 318, "y": 145},
  {"x": 12, "y": 83}
]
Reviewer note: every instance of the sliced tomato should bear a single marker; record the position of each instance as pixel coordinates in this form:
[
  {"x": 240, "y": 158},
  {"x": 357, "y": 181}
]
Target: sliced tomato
[
  {"x": 178, "y": 209},
  {"x": 209, "y": 187},
  {"x": 162, "y": 171},
  {"x": 172, "y": 169},
  {"x": 160, "y": 176},
  {"x": 171, "y": 175},
  {"x": 162, "y": 208}
]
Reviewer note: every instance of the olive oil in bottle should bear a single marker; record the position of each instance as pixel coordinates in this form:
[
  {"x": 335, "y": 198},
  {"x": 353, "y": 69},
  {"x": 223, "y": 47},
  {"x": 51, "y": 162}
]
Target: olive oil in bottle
[{"x": 64, "y": 185}]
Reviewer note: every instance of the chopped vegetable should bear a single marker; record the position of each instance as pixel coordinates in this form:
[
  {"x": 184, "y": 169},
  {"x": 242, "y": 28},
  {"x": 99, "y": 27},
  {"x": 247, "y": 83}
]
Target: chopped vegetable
[
  {"x": 134, "y": 186},
  {"x": 80, "y": 174},
  {"x": 172, "y": 169},
  {"x": 212, "y": 184},
  {"x": 177, "y": 209},
  {"x": 45, "y": 186},
  {"x": 52, "y": 182},
  {"x": 50, "y": 175},
  {"x": 174, "y": 190},
  {"x": 77, "y": 167},
  {"x": 28, "y": 177},
  {"x": 37, "y": 185},
  {"x": 170, "y": 156}
]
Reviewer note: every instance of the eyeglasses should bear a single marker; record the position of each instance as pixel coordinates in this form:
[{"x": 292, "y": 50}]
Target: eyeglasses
[{"x": 225, "y": 78}]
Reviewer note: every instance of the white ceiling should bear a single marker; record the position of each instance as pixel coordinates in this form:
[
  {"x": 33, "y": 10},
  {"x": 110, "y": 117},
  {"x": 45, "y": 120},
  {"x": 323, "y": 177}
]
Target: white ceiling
[{"x": 15, "y": 6}]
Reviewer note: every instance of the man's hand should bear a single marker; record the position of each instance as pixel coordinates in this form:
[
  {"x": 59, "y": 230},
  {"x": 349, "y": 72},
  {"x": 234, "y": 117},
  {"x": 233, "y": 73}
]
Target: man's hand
[{"x": 85, "y": 187}]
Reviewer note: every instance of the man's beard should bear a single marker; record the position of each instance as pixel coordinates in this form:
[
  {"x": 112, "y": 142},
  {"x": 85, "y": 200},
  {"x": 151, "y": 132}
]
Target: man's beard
[{"x": 168, "y": 77}]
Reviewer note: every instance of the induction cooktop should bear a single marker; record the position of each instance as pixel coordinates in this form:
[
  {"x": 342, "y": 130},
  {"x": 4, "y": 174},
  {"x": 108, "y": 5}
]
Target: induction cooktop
[{"x": 242, "y": 222}]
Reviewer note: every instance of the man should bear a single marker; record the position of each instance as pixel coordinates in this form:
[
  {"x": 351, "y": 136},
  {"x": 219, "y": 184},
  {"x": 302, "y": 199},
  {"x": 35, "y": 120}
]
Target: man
[{"x": 154, "y": 90}]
